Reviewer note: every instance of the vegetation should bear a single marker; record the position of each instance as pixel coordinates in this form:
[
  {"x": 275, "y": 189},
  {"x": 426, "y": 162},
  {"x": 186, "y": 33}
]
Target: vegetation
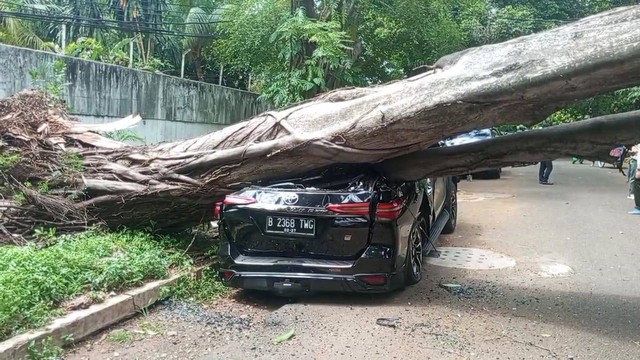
[
  {"x": 44, "y": 350},
  {"x": 124, "y": 136},
  {"x": 50, "y": 78},
  {"x": 35, "y": 282},
  {"x": 286, "y": 50},
  {"x": 290, "y": 50},
  {"x": 204, "y": 288},
  {"x": 8, "y": 160},
  {"x": 121, "y": 336},
  {"x": 619, "y": 101},
  {"x": 616, "y": 102},
  {"x": 92, "y": 49}
]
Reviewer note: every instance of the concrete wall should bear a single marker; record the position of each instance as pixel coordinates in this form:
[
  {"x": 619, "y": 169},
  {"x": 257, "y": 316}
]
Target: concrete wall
[{"x": 172, "y": 108}]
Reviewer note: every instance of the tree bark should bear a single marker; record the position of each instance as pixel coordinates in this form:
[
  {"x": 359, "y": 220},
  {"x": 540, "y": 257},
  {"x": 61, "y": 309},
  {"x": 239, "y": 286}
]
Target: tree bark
[
  {"x": 174, "y": 185},
  {"x": 197, "y": 62},
  {"x": 591, "y": 139}
]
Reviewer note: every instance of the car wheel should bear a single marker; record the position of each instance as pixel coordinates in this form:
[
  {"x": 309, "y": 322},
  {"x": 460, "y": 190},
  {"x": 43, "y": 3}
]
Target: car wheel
[
  {"x": 415, "y": 248},
  {"x": 451, "y": 205}
]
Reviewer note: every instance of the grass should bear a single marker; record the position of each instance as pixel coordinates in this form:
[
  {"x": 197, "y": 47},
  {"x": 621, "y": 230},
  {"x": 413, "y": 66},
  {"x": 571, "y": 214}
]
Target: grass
[
  {"x": 72, "y": 161},
  {"x": 121, "y": 337},
  {"x": 7, "y": 161},
  {"x": 205, "y": 288},
  {"x": 150, "y": 328},
  {"x": 34, "y": 282}
]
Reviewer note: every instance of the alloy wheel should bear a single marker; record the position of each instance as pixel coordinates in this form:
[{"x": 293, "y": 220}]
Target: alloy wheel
[
  {"x": 416, "y": 250},
  {"x": 454, "y": 205}
]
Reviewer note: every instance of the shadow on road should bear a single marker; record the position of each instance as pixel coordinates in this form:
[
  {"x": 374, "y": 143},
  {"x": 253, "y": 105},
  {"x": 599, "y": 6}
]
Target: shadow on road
[{"x": 616, "y": 317}]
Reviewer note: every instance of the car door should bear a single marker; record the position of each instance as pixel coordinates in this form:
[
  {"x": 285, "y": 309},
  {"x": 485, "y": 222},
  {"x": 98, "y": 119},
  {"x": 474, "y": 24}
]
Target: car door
[
  {"x": 439, "y": 193},
  {"x": 439, "y": 188}
]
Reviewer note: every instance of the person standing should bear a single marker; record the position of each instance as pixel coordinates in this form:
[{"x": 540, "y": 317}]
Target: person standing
[
  {"x": 633, "y": 165},
  {"x": 545, "y": 170},
  {"x": 635, "y": 185},
  {"x": 636, "y": 192}
]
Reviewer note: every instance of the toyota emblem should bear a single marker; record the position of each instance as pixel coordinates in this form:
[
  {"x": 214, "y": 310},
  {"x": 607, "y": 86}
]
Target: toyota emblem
[{"x": 290, "y": 198}]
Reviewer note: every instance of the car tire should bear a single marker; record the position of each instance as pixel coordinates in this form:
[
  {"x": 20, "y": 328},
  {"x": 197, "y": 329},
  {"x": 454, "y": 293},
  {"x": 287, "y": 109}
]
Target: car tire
[
  {"x": 415, "y": 249},
  {"x": 451, "y": 205}
]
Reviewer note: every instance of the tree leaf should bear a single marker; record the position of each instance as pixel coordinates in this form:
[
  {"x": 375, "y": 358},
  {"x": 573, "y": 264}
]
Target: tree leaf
[{"x": 284, "y": 337}]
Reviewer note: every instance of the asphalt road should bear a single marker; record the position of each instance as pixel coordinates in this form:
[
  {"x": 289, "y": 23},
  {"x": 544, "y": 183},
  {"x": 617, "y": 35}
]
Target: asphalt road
[
  {"x": 574, "y": 291},
  {"x": 521, "y": 312}
]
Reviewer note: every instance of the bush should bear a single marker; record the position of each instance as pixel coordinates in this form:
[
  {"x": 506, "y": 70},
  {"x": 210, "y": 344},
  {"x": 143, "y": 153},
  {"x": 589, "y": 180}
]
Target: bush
[{"x": 34, "y": 282}]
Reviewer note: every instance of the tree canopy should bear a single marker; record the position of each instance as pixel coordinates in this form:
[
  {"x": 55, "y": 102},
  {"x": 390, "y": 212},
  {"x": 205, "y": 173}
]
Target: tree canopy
[{"x": 291, "y": 50}]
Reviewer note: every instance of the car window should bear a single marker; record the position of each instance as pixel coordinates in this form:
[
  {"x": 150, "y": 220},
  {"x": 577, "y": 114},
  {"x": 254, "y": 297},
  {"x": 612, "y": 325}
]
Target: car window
[{"x": 479, "y": 134}]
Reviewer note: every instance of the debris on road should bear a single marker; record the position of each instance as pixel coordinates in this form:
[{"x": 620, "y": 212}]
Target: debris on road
[
  {"x": 452, "y": 288},
  {"x": 284, "y": 337},
  {"x": 388, "y": 322},
  {"x": 463, "y": 291},
  {"x": 215, "y": 319}
]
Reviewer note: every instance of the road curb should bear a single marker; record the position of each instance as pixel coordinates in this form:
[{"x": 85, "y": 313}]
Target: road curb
[{"x": 81, "y": 323}]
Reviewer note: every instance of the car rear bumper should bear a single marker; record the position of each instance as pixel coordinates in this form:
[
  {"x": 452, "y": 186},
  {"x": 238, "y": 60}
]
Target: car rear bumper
[
  {"x": 300, "y": 283},
  {"x": 297, "y": 275}
]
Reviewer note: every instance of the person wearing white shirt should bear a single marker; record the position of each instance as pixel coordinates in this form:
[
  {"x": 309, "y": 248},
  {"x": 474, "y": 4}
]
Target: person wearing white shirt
[
  {"x": 634, "y": 179},
  {"x": 633, "y": 165}
]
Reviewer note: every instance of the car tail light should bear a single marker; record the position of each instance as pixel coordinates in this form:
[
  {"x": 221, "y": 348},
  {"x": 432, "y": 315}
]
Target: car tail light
[
  {"x": 391, "y": 210},
  {"x": 228, "y": 275},
  {"x": 373, "y": 279},
  {"x": 239, "y": 200},
  {"x": 217, "y": 210},
  {"x": 361, "y": 208}
]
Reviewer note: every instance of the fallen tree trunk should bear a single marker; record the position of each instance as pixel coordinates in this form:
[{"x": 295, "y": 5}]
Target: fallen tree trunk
[
  {"x": 174, "y": 185},
  {"x": 591, "y": 139}
]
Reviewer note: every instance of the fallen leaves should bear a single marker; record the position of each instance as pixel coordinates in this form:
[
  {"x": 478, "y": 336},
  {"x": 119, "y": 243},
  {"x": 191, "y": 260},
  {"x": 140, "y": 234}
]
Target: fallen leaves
[{"x": 284, "y": 337}]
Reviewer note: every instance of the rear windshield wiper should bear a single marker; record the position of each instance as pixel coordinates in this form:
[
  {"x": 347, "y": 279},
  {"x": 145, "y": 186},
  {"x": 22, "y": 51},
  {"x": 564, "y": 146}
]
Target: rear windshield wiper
[{"x": 288, "y": 185}]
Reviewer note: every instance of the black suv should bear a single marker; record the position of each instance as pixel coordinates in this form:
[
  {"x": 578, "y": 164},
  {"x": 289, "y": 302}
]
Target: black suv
[{"x": 362, "y": 234}]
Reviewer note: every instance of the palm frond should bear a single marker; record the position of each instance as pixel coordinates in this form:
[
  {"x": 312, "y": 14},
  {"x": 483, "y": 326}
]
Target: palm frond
[
  {"x": 19, "y": 34},
  {"x": 37, "y": 6},
  {"x": 198, "y": 23}
]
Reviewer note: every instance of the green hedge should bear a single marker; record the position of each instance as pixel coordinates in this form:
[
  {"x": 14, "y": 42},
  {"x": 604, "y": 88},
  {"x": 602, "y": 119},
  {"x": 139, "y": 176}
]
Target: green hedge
[{"x": 34, "y": 282}]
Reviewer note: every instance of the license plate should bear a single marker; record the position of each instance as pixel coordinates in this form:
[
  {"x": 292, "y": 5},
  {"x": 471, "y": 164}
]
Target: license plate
[{"x": 292, "y": 226}]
